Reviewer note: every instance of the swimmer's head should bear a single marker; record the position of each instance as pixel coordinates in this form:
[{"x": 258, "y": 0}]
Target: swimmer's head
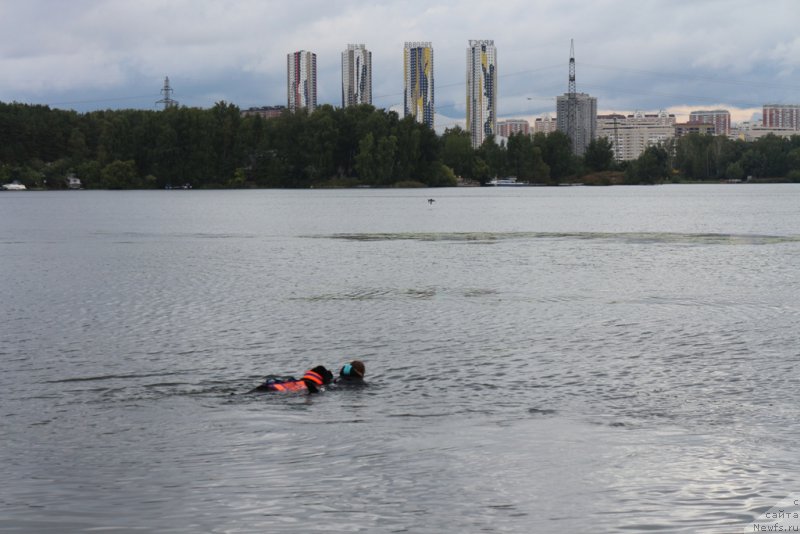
[{"x": 353, "y": 371}]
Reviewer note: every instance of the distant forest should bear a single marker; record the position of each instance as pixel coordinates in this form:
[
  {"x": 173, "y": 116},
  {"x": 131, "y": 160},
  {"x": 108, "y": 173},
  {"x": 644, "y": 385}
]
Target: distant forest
[{"x": 338, "y": 147}]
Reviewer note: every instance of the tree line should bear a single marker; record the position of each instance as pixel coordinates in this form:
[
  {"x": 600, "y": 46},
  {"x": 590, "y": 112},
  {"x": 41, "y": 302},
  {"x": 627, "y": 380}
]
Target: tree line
[{"x": 337, "y": 147}]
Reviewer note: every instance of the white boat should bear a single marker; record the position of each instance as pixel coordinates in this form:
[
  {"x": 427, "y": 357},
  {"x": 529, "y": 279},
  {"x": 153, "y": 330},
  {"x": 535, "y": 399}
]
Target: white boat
[
  {"x": 511, "y": 181},
  {"x": 73, "y": 182},
  {"x": 14, "y": 186}
]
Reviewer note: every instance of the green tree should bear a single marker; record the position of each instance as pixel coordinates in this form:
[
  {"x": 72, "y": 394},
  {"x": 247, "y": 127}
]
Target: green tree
[
  {"x": 443, "y": 177},
  {"x": 494, "y": 156},
  {"x": 649, "y": 168},
  {"x": 519, "y": 156},
  {"x": 78, "y": 150},
  {"x": 793, "y": 159},
  {"x": 754, "y": 163},
  {"x": 385, "y": 160},
  {"x": 734, "y": 171},
  {"x": 481, "y": 171},
  {"x": 457, "y": 152},
  {"x": 225, "y": 140},
  {"x": 599, "y": 155},
  {"x": 541, "y": 170},
  {"x": 557, "y": 153},
  {"x": 774, "y": 151},
  {"x": 119, "y": 175},
  {"x": 365, "y": 160}
]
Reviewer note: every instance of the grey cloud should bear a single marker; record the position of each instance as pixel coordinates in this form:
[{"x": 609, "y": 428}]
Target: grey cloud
[{"x": 630, "y": 54}]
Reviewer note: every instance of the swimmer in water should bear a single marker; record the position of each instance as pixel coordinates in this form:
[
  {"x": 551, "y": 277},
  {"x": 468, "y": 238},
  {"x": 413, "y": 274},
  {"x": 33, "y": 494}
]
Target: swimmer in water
[
  {"x": 313, "y": 381},
  {"x": 351, "y": 374}
]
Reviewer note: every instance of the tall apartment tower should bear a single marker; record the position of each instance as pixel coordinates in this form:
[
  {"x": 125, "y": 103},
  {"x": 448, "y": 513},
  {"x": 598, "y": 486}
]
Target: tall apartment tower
[
  {"x": 720, "y": 118},
  {"x": 782, "y": 116},
  {"x": 356, "y": 75},
  {"x": 301, "y": 76},
  {"x": 585, "y": 119},
  {"x": 481, "y": 90},
  {"x": 418, "y": 82}
]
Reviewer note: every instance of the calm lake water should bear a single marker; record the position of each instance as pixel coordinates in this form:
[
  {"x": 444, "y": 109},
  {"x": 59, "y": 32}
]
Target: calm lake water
[{"x": 619, "y": 359}]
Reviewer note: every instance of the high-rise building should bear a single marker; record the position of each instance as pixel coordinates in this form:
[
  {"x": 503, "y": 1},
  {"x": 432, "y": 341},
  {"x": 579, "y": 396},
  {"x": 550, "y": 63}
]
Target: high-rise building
[
  {"x": 301, "y": 78},
  {"x": 720, "y": 118},
  {"x": 418, "y": 81},
  {"x": 481, "y": 90},
  {"x": 356, "y": 75},
  {"x": 585, "y": 119},
  {"x": 782, "y": 116}
]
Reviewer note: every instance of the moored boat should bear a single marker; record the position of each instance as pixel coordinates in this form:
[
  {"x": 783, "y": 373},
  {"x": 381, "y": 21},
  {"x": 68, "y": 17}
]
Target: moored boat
[
  {"x": 511, "y": 181},
  {"x": 14, "y": 186}
]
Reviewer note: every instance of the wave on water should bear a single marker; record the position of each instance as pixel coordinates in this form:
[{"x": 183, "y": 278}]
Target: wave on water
[
  {"x": 630, "y": 237},
  {"x": 107, "y": 377},
  {"x": 387, "y": 293},
  {"x": 179, "y": 235}
]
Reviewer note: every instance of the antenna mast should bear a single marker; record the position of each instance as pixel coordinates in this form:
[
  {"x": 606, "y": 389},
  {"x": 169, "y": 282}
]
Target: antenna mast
[
  {"x": 572, "y": 101},
  {"x": 167, "y": 92}
]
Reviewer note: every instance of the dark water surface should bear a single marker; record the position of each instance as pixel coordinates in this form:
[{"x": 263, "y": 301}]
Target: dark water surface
[{"x": 540, "y": 359}]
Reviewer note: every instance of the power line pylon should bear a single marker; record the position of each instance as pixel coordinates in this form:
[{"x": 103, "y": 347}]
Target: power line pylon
[
  {"x": 572, "y": 101},
  {"x": 167, "y": 92}
]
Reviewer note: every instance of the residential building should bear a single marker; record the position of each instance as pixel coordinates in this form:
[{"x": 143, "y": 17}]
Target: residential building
[
  {"x": 685, "y": 128},
  {"x": 720, "y": 118},
  {"x": 356, "y": 75},
  {"x": 749, "y": 131},
  {"x": 513, "y": 126},
  {"x": 301, "y": 77},
  {"x": 782, "y": 116},
  {"x": 481, "y": 90},
  {"x": 585, "y": 127},
  {"x": 418, "y": 101},
  {"x": 265, "y": 112},
  {"x": 545, "y": 125},
  {"x": 631, "y": 134}
]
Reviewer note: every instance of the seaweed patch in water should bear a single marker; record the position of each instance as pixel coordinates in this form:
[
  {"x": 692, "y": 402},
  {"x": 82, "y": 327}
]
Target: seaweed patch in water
[{"x": 630, "y": 237}]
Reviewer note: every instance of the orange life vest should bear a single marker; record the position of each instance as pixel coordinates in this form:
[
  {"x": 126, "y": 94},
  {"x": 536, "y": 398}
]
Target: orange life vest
[
  {"x": 299, "y": 385},
  {"x": 292, "y": 385},
  {"x": 316, "y": 378}
]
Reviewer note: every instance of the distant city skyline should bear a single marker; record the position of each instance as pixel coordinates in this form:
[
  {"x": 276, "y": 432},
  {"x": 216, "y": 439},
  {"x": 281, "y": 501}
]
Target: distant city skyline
[{"x": 95, "y": 54}]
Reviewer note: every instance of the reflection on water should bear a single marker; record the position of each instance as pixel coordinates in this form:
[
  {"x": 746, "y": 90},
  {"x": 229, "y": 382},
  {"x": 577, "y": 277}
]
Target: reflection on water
[{"x": 609, "y": 378}]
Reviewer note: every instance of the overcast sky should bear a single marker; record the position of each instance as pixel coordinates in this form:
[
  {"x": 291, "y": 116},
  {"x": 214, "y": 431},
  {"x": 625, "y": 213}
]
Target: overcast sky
[{"x": 632, "y": 55}]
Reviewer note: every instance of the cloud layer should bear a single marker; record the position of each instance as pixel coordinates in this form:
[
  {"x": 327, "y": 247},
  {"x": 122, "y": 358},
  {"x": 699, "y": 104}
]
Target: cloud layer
[{"x": 631, "y": 54}]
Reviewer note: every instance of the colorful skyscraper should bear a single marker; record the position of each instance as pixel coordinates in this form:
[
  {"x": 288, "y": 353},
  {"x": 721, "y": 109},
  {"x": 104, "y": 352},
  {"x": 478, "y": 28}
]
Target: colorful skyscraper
[
  {"x": 481, "y": 91},
  {"x": 301, "y": 77},
  {"x": 356, "y": 75},
  {"x": 418, "y": 80}
]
